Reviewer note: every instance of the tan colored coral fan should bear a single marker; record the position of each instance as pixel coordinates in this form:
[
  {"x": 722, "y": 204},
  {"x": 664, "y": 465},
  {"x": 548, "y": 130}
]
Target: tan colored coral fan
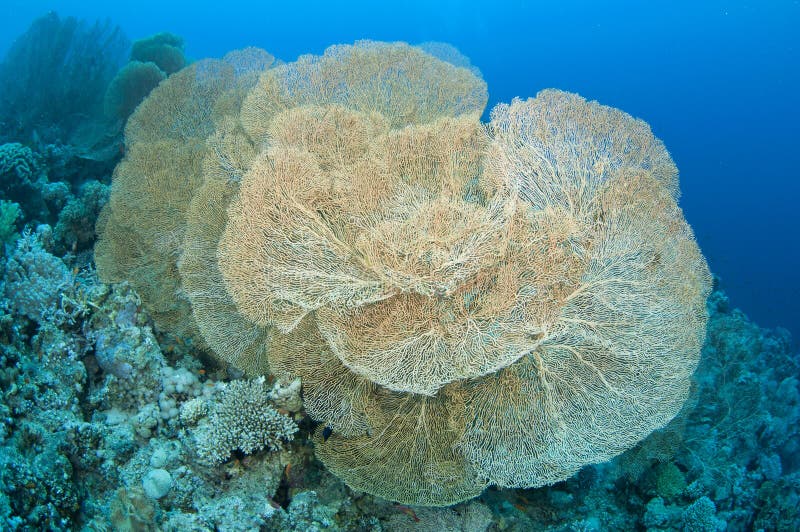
[
  {"x": 465, "y": 304},
  {"x": 141, "y": 230}
]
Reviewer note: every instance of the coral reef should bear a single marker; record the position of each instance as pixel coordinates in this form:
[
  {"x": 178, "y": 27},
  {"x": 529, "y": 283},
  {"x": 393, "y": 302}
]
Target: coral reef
[
  {"x": 464, "y": 305},
  {"x": 91, "y": 426},
  {"x": 100, "y": 409},
  {"x": 35, "y": 199},
  {"x": 99, "y": 422}
]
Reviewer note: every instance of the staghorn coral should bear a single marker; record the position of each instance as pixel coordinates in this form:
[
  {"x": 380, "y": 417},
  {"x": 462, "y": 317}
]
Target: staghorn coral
[{"x": 465, "y": 304}]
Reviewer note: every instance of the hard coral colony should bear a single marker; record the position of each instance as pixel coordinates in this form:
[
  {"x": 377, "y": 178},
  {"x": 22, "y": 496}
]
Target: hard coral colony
[{"x": 466, "y": 304}]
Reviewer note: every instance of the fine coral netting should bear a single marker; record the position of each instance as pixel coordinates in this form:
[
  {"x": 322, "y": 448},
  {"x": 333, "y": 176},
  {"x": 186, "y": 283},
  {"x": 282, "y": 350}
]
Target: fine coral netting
[{"x": 465, "y": 304}]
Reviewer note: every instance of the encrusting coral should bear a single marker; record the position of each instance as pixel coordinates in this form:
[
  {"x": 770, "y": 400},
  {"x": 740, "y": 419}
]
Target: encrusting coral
[{"x": 465, "y": 304}]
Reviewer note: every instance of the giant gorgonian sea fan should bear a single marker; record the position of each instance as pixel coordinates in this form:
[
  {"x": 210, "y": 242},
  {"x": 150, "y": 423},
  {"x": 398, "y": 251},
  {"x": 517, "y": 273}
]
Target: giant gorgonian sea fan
[{"x": 466, "y": 304}]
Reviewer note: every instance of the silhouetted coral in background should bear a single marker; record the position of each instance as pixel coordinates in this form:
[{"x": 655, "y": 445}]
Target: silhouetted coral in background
[
  {"x": 54, "y": 77},
  {"x": 165, "y": 50},
  {"x": 130, "y": 86},
  {"x": 152, "y": 60}
]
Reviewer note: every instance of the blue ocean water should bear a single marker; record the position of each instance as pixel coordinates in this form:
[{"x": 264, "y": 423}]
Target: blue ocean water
[
  {"x": 114, "y": 417},
  {"x": 717, "y": 81}
]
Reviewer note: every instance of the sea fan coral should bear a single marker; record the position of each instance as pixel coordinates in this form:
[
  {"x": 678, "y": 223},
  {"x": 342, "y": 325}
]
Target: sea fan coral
[
  {"x": 129, "y": 87},
  {"x": 465, "y": 304},
  {"x": 165, "y": 50},
  {"x": 54, "y": 77}
]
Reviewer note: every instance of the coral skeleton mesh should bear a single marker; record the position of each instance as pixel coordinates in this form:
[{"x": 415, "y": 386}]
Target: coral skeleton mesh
[{"x": 465, "y": 304}]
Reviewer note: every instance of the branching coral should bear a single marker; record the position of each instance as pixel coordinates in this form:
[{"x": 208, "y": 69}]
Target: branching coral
[
  {"x": 465, "y": 304},
  {"x": 243, "y": 419}
]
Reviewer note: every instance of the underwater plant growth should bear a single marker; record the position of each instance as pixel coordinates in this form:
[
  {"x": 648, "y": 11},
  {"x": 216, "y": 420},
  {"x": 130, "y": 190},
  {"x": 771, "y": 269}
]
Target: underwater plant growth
[{"x": 465, "y": 304}]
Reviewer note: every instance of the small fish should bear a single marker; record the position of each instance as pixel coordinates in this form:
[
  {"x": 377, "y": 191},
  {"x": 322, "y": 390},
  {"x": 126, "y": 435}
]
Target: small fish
[
  {"x": 287, "y": 470},
  {"x": 326, "y": 433},
  {"x": 408, "y": 511}
]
